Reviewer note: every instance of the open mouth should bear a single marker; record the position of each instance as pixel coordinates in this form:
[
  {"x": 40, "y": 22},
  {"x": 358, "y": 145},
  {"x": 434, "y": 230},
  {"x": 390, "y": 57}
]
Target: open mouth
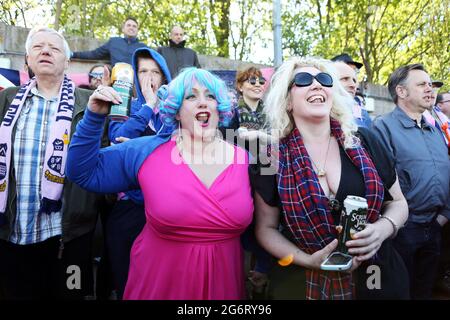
[
  {"x": 316, "y": 99},
  {"x": 203, "y": 118}
]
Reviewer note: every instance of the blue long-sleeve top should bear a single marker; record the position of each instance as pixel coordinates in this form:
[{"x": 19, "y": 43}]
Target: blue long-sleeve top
[
  {"x": 137, "y": 124},
  {"x": 107, "y": 170}
]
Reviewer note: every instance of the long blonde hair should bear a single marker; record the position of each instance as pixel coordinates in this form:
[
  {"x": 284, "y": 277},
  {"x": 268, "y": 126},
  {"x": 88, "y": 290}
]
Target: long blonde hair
[{"x": 278, "y": 118}]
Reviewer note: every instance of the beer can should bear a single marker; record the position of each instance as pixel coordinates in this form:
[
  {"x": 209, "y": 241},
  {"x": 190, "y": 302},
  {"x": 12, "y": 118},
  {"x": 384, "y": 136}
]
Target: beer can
[
  {"x": 353, "y": 220},
  {"x": 122, "y": 78}
]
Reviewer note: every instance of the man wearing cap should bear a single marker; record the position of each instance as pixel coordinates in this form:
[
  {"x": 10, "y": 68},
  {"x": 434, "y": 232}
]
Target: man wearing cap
[{"x": 347, "y": 69}]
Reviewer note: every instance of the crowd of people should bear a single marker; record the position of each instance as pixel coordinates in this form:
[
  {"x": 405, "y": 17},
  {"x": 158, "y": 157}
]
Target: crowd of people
[{"x": 200, "y": 199}]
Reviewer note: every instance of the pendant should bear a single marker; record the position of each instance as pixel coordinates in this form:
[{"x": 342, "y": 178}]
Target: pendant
[{"x": 321, "y": 173}]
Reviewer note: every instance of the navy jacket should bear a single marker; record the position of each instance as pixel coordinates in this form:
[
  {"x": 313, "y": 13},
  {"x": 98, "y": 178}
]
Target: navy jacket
[{"x": 117, "y": 49}]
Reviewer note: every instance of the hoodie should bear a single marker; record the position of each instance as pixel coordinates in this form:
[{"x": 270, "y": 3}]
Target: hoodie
[{"x": 142, "y": 121}]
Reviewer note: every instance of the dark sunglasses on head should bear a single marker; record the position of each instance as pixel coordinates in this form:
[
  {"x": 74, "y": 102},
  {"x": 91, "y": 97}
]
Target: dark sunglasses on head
[
  {"x": 252, "y": 80},
  {"x": 304, "y": 79},
  {"x": 96, "y": 75}
]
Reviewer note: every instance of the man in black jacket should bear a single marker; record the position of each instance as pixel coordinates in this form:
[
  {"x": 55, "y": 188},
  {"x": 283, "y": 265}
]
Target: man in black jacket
[
  {"x": 176, "y": 55},
  {"x": 45, "y": 236}
]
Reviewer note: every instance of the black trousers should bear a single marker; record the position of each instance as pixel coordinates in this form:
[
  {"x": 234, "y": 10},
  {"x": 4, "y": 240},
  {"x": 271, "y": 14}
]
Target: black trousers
[
  {"x": 444, "y": 261},
  {"x": 31, "y": 272},
  {"x": 420, "y": 246},
  {"x": 123, "y": 225}
]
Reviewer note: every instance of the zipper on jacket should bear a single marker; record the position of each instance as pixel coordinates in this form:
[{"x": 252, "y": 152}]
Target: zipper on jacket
[
  {"x": 13, "y": 214},
  {"x": 61, "y": 248}
]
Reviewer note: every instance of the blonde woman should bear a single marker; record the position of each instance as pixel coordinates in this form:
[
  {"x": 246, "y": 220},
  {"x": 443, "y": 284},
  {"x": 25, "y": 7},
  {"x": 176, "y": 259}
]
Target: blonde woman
[{"x": 322, "y": 159}]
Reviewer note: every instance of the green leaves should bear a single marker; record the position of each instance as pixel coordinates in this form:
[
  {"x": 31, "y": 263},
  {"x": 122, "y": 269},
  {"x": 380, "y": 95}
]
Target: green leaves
[{"x": 383, "y": 34}]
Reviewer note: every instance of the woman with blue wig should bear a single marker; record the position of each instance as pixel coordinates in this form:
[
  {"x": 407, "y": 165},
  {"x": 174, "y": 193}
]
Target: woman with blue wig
[{"x": 196, "y": 190}]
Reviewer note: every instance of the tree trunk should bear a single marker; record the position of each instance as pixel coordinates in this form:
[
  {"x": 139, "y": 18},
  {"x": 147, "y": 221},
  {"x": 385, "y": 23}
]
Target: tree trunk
[
  {"x": 58, "y": 13},
  {"x": 220, "y": 10}
]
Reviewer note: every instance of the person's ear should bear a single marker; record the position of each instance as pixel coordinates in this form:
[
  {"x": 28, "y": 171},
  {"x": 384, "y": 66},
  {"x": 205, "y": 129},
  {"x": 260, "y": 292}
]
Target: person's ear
[
  {"x": 289, "y": 105},
  {"x": 402, "y": 91},
  {"x": 106, "y": 79},
  {"x": 177, "y": 117}
]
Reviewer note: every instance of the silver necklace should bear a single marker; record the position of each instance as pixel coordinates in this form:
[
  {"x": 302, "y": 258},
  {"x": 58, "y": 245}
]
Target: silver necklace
[{"x": 321, "y": 171}]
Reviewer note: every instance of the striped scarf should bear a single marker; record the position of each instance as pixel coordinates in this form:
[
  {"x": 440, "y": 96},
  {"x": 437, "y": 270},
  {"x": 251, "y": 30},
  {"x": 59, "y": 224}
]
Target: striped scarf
[
  {"x": 306, "y": 209},
  {"x": 53, "y": 173}
]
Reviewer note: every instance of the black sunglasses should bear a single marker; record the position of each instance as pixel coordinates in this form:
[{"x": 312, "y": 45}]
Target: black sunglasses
[
  {"x": 252, "y": 80},
  {"x": 96, "y": 75},
  {"x": 304, "y": 79}
]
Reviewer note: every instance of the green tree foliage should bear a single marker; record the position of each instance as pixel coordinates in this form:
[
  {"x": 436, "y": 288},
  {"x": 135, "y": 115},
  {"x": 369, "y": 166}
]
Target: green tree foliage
[
  {"x": 250, "y": 25},
  {"x": 12, "y": 12},
  {"x": 103, "y": 18},
  {"x": 383, "y": 34}
]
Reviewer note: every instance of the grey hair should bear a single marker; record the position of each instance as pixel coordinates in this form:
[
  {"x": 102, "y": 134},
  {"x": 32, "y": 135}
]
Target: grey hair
[
  {"x": 33, "y": 32},
  {"x": 279, "y": 119}
]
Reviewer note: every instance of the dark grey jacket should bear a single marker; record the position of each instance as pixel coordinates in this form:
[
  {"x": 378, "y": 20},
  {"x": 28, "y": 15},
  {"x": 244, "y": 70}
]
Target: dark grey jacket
[
  {"x": 178, "y": 57},
  {"x": 79, "y": 210}
]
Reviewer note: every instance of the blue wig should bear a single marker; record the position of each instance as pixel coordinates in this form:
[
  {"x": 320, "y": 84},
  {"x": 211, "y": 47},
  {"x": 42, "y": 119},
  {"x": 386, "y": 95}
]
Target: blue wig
[{"x": 172, "y": 96}]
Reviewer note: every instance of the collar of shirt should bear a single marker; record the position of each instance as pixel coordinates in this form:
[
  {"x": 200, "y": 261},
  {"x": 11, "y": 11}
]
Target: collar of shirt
[
  {"x": 35, "y": 92},
  {"x": 131, "y": 39},
  {"x": 259, "y": 107},
  {"x": 407, "y": 122}
]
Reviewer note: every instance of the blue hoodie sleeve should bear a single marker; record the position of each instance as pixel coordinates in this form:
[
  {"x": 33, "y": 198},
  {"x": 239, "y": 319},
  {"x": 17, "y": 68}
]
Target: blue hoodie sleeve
[
  {"x": 106, "y": 170},
  {"x": 133, "y": 127}
]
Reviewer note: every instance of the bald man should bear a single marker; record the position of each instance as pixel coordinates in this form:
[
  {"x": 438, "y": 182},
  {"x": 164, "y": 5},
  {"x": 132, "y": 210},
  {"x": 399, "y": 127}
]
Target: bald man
[
  {"x": 176, "y": 55},
  {"x": 347, "y": 77}
]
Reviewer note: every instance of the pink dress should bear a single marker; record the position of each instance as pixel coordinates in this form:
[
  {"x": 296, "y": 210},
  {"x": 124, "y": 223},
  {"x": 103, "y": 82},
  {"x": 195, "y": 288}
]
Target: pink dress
[{"x": 190, "y": 246}]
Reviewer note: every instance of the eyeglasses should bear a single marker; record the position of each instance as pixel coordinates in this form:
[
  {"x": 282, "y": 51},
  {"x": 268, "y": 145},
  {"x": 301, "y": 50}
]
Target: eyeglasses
[
  {"x": 305, "y": 79},
  {"x": 96, "y": 75},
  {"x": 252, "y": 80}
]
